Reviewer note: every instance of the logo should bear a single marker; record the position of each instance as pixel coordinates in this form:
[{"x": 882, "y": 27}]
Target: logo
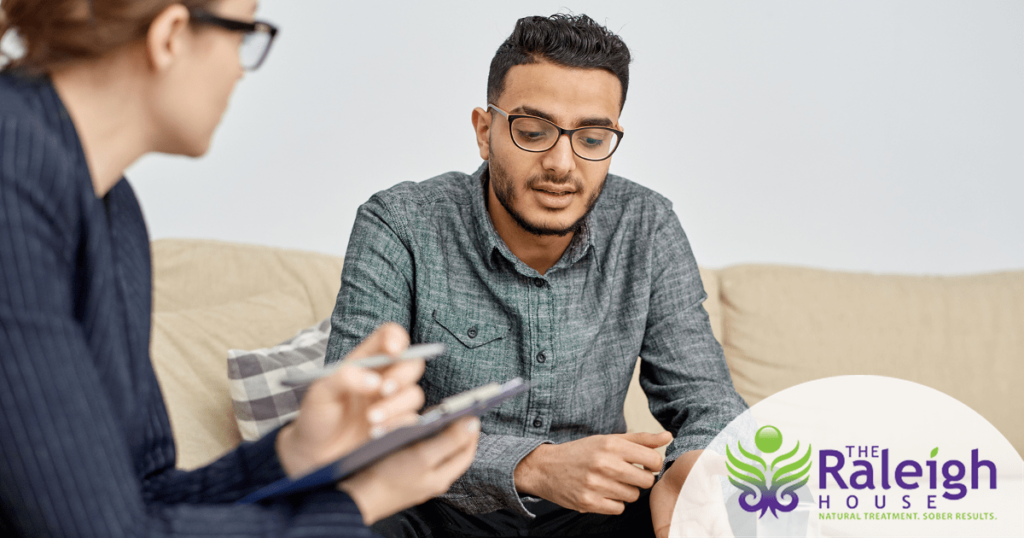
[
  {"x": 768, "y": 487},
  {"x": 855, "y": 456}
]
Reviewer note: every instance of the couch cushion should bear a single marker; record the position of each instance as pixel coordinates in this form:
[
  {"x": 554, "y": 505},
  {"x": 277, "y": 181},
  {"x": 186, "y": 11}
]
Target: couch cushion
[
  {"x": 261, "y": 401},
  {"x": 210, "y": 297},
  {"x": 961, "y": 335}
]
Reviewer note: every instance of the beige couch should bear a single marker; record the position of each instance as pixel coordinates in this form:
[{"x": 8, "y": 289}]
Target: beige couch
[{"x": 779, "y": 326}]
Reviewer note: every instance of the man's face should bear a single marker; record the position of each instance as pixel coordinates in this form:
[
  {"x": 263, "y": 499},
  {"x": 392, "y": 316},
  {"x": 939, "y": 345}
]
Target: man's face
[{"x": 549, "y": 193}]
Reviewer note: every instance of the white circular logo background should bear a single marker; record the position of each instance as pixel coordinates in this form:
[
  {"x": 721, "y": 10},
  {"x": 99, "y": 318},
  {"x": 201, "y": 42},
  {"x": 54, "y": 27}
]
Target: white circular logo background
[{"x": 855, "y": 456}]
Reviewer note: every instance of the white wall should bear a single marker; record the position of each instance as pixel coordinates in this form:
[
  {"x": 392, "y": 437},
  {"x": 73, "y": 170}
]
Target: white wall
[{"x": 882, "y": 136}]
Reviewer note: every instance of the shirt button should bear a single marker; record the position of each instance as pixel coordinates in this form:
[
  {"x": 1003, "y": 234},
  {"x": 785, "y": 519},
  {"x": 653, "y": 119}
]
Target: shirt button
[
  {"x": 537, "y": 423},
  {"x": 541, "y": 357},
  {"x": 471, "y": 332},
  {"x": 539, "y": 282}
]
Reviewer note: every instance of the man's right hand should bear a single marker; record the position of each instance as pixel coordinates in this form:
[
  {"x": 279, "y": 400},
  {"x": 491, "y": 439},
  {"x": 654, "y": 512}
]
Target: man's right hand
[{"x": 594, "y": 474}]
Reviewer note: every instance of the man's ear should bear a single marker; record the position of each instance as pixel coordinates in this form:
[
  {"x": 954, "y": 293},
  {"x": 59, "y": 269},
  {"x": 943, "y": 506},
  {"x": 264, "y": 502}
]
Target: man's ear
[
  {"x": 166, "y": 35},
  {"x": 482, "y": 127}
]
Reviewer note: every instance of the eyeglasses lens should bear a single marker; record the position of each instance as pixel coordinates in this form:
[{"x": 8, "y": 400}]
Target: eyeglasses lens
[
  {"x": 533, "y": 134},
  {"x": 254, "y": 48}
]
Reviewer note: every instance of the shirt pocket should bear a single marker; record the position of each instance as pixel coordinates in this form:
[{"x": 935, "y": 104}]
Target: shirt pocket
[{"x": 469, "y": 331}]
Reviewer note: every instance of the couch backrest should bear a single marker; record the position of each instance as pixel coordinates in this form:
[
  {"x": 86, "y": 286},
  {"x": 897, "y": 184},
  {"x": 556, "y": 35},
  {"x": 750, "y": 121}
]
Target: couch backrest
[{"x": 961, "y": 335}]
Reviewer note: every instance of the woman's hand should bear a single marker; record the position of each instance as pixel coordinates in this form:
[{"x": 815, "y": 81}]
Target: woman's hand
[
  {"x": 341, "y": 412},
  {"x": 415, "y": 474}
]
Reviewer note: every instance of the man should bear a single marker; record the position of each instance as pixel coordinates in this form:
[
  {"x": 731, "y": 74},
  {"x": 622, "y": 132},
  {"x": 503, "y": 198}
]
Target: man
[{"x": 542, "y": 265}]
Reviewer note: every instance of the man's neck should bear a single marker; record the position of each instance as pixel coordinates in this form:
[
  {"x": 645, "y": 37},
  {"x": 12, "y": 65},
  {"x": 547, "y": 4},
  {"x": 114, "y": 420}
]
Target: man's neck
[{"x": 540, "y": 252}]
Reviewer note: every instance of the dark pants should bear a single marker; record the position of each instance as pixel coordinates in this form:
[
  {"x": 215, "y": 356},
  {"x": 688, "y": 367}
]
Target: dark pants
[{"x": 436, "y": 519}]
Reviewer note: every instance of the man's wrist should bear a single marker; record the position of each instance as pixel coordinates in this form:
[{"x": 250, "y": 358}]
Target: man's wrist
[
  {"x": 677, "y": 471},
  {"x": 528, "y": 479}
]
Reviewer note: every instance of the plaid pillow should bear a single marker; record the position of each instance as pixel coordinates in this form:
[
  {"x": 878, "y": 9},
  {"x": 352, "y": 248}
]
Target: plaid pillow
[{"x": 261, "y": 402}]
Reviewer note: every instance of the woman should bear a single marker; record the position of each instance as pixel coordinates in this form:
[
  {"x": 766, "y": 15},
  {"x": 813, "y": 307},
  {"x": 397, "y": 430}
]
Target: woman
[{"x": 85, "y": 443}]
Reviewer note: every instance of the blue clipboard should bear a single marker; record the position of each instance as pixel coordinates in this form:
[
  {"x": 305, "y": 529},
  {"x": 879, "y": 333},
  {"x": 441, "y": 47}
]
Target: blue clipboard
[{"x": 473, "y": 402}]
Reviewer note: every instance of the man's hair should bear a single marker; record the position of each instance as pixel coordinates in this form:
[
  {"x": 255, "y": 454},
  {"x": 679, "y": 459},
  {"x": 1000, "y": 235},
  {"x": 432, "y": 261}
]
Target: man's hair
[{"x": 566, "y": 40}]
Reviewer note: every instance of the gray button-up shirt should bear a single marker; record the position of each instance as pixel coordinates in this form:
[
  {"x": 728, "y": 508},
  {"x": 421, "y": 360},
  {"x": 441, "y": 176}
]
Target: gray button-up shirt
[{"x": 426, "y": 255}]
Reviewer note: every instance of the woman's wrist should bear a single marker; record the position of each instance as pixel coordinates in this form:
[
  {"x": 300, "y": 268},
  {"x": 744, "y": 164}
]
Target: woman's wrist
[
  {"x": 288, "y": 451},
  {"x": 361, "y": 492}
]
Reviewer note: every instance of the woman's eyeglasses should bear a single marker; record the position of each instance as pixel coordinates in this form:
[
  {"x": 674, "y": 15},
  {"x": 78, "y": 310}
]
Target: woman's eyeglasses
[{"x": 256, "y": 43}]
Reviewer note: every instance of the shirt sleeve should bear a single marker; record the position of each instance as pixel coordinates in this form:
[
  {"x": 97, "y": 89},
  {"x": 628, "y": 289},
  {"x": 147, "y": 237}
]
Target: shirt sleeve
[
  {"x": 377, "y": 286},
  {"x": 682, "y": 367},
  {"x": 67, "y": 467},
  {"x": 376, "y": 280}
]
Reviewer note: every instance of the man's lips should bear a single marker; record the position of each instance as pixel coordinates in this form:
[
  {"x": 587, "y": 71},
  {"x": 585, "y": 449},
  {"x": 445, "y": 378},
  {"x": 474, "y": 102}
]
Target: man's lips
[
  {"x": 558, "y": 198},
  {"x": 558, "y": 191}
]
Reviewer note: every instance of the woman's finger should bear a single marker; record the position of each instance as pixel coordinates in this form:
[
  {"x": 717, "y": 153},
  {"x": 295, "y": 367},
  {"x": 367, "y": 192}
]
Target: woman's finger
[
  {"x": 408, "y": 400},
  {"x": 389, "y": 339},
  {"x": 401, "y": 374},
  {"x": 379, "y": 429},
  {"x": 396, "y": 411},
  {"x": 350, "y": 380}
]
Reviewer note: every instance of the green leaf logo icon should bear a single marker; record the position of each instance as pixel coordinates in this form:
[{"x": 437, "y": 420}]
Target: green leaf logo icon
[{"x": 935, "y": 452}]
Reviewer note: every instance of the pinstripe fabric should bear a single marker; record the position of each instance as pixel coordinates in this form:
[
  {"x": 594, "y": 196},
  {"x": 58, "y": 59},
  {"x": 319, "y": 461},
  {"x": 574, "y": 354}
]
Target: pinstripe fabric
[{"x": 85, "y": 442}]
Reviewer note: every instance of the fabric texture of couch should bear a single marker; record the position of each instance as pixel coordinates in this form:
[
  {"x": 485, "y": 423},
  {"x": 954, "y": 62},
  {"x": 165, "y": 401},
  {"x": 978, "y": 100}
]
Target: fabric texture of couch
[{"x": 779, "y": 326}]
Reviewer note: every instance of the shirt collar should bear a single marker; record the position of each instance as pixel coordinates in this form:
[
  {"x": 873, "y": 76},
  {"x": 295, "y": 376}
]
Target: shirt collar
[{"x": 492, "y": 245}]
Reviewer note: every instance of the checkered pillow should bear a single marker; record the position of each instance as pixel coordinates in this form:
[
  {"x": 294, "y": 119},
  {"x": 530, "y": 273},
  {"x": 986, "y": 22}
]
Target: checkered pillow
[{"x": 261, "y": 402}]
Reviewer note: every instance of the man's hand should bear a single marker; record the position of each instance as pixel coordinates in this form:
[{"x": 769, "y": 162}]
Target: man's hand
[
  {"x": 594, "y": 474},
  {"x": 666, "y": 491},
  {"x": 343, "y": 411},
  {"x": 702, "y": 509}
]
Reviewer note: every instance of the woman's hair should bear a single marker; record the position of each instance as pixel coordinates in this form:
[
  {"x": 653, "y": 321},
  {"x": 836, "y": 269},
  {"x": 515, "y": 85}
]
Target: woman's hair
[{"x": 54, "y": 32}]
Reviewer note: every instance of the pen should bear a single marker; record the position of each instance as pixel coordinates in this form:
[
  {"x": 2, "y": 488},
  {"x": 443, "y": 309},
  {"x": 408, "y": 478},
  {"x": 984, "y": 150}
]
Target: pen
[{"x": 418, "y": 351}]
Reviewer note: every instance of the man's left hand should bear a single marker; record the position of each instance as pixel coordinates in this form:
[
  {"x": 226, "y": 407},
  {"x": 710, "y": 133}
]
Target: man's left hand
[
  {"x": 666, "y": 491},
  {"x": 702, "y": 509}
]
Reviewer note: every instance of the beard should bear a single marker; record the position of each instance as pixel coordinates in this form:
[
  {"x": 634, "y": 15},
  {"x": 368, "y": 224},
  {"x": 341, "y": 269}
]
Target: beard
[{"x": 505, "y": 191}]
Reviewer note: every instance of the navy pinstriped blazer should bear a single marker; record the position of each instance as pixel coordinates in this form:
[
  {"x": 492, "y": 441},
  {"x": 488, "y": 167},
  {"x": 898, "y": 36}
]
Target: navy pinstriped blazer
[{"x": 85, "y": 442}]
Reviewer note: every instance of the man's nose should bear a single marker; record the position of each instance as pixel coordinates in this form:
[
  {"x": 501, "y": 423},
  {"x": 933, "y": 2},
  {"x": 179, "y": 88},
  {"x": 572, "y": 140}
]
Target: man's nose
[{"x": 560, "y": 159}]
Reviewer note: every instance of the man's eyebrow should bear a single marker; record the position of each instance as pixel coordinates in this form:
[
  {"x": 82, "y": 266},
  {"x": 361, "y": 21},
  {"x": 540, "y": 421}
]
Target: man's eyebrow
[
  {"x": 585, "y": 122},
  {"x": 595, "y": 122}
]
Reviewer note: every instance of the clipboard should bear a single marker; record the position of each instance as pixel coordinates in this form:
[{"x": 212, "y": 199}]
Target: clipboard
[{"x": 472, "y": 402}]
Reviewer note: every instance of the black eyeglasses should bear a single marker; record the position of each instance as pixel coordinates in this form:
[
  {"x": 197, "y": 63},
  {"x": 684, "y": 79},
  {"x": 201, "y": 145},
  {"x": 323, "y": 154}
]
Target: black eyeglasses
[
  {"x": 256, "y": 43},
  {"x": 537, "y": 135}
]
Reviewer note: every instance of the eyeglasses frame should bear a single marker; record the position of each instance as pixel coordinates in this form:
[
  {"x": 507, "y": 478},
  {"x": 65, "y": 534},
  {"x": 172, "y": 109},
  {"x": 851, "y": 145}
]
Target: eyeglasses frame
[
  {"x": 512, "y": 117},
  {"x": 205, "y": 17}
]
